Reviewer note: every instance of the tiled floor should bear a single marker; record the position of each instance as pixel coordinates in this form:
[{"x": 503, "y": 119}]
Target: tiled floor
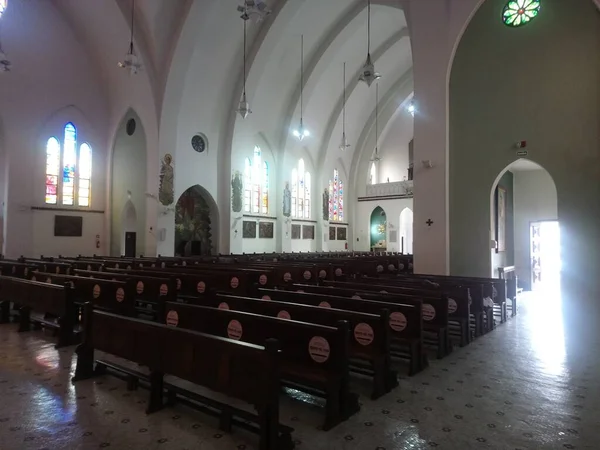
[{"x": 520, "y": 387}]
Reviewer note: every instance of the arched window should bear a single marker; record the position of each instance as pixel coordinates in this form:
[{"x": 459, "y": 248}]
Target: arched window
[
  {"x": 68, "y": 170},
  {"x": 336, "y": 198},
  {"x": 256, "y": 184},
  {"x": 300, "y": 192},
  {"x": 3, "y": 6},
  {"x": 373, "y": 173}
]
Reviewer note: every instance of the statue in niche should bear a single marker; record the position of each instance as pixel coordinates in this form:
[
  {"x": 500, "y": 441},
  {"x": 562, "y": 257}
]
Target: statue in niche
[
  {"x": 326, "y": 204},
  {"x": 236, "y": 191},
  {"x": 165, "y": 190},
  {"x": 287, "y": 200}
]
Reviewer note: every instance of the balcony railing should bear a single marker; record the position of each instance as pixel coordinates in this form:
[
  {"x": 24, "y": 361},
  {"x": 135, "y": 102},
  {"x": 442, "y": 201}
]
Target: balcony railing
[{"x": 397, "y": 188}]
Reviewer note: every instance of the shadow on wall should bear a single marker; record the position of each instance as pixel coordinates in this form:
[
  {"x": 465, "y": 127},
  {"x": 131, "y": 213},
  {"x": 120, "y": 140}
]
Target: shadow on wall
[
  {"x": 195, "y": 220},
  {"x": 378, "y": 229}
]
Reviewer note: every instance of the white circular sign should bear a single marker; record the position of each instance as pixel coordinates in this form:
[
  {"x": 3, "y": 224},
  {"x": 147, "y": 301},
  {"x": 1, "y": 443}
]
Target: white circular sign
[
  {"x": 235, "y": 330},
  {"x": 363, "y": 333},
  {"x": 322, "y": 273},
  {"x": 139, "y": 288},
  {"x": 266, "y": 297},
  {"x": 428, "y": 312},
  {"x": 262, "y": 280},
  {"x": 307, "y": 275},
  {"x": 287, "y": 276},
  {"x": 201, "y": 287},
  {"x": 324, "y": 305},
  {"x": 452, "y": 306},
  {"x": 356, "y": 297},
  {"x": 172, "y": 318},
  {"x": 164, "y": 289},
  {"x": 96, "y": 291},
  {"x": 223, "y": 305},
  {"x": 178, "y": 284},
  {"x": 401, "y": 266},
  {"x": 391, "y": 267},
  {"x": 284, "y": 315},
  {"x": 397, "y": 321},
  {"x": 379, "y": 268},
  {"x": 338, "y": 272},
  {"x": 235, "y": 282},
  {"x": 318, "y": 349},
  {"x": 120, "y": 295}
]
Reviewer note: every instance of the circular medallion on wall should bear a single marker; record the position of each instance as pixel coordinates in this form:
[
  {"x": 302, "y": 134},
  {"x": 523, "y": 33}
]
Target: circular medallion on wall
[
  {"x": 130, "y": 127},
  {"x": 199, "y": 142}
]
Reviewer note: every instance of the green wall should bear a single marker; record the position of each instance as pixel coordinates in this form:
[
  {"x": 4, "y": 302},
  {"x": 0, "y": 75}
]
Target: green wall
[
  {"x": 378, "y": 219},
  {"x": 539, "y": 83}
]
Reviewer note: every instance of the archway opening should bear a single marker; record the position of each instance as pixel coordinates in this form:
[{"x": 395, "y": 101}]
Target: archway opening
[
  {"x": 378, "y": 230},
  {"x": 129, "y": 227},
  {"x": 525, "y": 232},
  {"x": 406, "y": 231},
  {"x": 196, "y": 223}
]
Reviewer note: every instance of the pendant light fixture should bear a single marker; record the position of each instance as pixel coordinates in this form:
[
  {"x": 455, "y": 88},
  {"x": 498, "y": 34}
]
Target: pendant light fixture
[
  {"x": 344, "y": 143},
  {"x": 4, "y": 62},
  {"x": 131, "y": 61},
  {"x": 300, "y": 133},
  {"x": 376, "y": 157},
  {"x": 368, "y": 74},
  {"x": 244, "y": 106}
]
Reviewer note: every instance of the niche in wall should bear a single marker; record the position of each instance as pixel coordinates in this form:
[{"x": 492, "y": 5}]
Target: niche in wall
[
  {"x": 378, "y": 229},
  {"x": 195, "y": 220}
]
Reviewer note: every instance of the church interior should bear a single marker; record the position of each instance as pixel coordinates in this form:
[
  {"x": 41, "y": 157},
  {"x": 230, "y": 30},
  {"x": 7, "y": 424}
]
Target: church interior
[{"x": 309, "y": 224}]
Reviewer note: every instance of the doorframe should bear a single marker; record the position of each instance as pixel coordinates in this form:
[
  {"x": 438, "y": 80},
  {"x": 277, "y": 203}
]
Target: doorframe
[{"x": 531, "y": 222}]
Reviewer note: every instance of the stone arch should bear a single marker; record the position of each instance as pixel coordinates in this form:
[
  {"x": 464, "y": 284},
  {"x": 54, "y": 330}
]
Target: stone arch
[
  {"x": 127, "y": 181},
  {"x": 196, "y": 223},
  {"x": 129, "y": 221},
  {"x": 378, "y": 229},
  {"x": 406, "y": 231}
]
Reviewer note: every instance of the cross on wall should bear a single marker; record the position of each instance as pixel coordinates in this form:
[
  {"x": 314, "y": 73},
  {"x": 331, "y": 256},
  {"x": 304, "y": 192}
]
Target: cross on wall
[{"x": 429, "y": 222}]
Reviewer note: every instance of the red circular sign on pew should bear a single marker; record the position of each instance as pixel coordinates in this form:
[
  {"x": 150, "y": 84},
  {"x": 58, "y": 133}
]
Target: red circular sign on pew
[
  {"x": 120, "y": 295},
  {"x": 284, "y": 315},
  {"x": 164, "y": 289},
  {"x": 201, "y": 287},
  {"x": 139, "y": 288},
  {"x": 391, "y": 268},
  {"x": 356, "y": 297},
  {"x": 338, "y": 272},
  {"x": 363, "y": 333},
  {"x": 49, "y": 280},
  {"x": 33, "y": 278},
  {"x": 163, "y": 265},
  {"x": 401, "y": 266},
  {"x": 224, "y": 306},
  {"x": 116, "y": 265},
  {"x": 452, "y": 306},
  {"x": 397, "y": 321},
  {"x": 322, "y": 273},
  {"x": 318, "y": 349},
  {"x": 287, "y": 277},
  {"x": 307, "y": 275},
  {"x": 428, "y": 312},
  {"x": 178, "y": 284},
  {"x": 235, "y": 330},
  {"x": 235, "y": 282},
  {"x": 379, "y": 268},
  {"x": 262, "y": 280},
  {"x": 172, "y": 318},
  {"x": 96, "y": 291},
  {"x": 266, "y": 297},
  {"x": 324, "y": 305}
]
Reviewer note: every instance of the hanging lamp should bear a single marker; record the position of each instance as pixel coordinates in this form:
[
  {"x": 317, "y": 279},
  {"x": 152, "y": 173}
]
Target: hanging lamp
[
  {"x": 344, "y": 143},
  {"x": 244, "y": 106},
  {"x": 131, "y": 61},
  {"x": 5, "y": 64},
  {"x": 368, "y": 74},
  {"x": 376, "y": 157},
  {"x": 300, "y": 133}
]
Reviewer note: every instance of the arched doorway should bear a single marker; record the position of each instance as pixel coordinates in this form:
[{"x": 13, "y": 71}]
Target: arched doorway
[
  {"x": 406, "y": 231},
  {"x": 525, "y": 232},
  {"x": 378, "y": 230},
  {"x": 196, "y": 223},
  {"x": 129, "y": 227}
]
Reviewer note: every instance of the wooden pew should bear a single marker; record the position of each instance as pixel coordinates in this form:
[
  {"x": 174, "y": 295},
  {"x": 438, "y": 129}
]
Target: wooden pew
[
  {"x": 314, "y": 357},
  {"x": 39, "y": 297},
  {"x": 369, "y": 348},
  {"x": 237, "y": 369},
  {"x": 405, "y": 324}
]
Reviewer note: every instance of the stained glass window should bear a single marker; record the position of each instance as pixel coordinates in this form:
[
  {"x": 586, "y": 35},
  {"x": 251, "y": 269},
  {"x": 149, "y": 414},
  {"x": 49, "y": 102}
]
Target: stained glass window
[
  {"x": 85, "y": 175},
  {"x": 69, "y": 164},
  {"x": 52, "y": 170},
  {"x": 256, "y": 184},
  {"x": 247, "y": 185},
  {"x": 336, "y": 198},
  {"x": 68, "y": 170},
  {"x": 520, "y": 12},
  {"x": 3, "y": 4},
  {"x": 301, "y": 187}
]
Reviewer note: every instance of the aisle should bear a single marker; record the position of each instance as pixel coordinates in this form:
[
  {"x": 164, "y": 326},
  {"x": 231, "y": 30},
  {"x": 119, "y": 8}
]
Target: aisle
[{"x": 517, "y": 388}]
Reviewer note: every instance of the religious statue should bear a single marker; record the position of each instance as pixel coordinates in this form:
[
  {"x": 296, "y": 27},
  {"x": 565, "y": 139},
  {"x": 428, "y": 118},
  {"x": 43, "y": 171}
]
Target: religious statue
[
  {"x": 287, "y": 200},
  {"x": 326, "y": 204},
  {"x": 165, "y": 190},
  {"x": 236, "y": 194}
]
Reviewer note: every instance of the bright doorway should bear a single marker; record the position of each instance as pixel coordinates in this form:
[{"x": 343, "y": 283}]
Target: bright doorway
[{"x": 544, "y": 238}]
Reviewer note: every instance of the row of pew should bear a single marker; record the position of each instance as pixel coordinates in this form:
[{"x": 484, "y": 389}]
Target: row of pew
[{"x": 245, "y": 327}]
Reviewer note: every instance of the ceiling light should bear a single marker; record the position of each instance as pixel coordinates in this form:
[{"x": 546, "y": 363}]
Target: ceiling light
[
  {"x": 4, "y": 62},
  {"x": 244, "y": 106},
  {"x": 411, "y": 109},
  {"x": 301, "y": 132},
  {"x": 131, "y": 61},
  {"x": 256, "y": 9},
  {"x": 344, "y": 143},
  {"x": 376, "y": 157},
  {"x": 368, "y": 74}
]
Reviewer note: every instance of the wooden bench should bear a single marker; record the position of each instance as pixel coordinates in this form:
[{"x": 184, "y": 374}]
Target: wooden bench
[
  {"x": 369, "y": 349},
  {"x": 43, "y": 298},
  {"x": 237, "y": 369},
  {"x": 314, "y": 357}
]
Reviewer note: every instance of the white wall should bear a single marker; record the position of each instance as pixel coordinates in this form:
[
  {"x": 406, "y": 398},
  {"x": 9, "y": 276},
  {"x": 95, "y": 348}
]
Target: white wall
[
  {"x": 392, "y": 208},
  {"x": 393, "y": 148},
  {"x": 258, "y": 245},
  {"x": 534, "y": 200}
]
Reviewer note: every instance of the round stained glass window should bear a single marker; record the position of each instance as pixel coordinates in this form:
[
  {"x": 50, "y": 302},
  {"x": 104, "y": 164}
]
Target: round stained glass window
[{"x": 520, "y": 12}]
